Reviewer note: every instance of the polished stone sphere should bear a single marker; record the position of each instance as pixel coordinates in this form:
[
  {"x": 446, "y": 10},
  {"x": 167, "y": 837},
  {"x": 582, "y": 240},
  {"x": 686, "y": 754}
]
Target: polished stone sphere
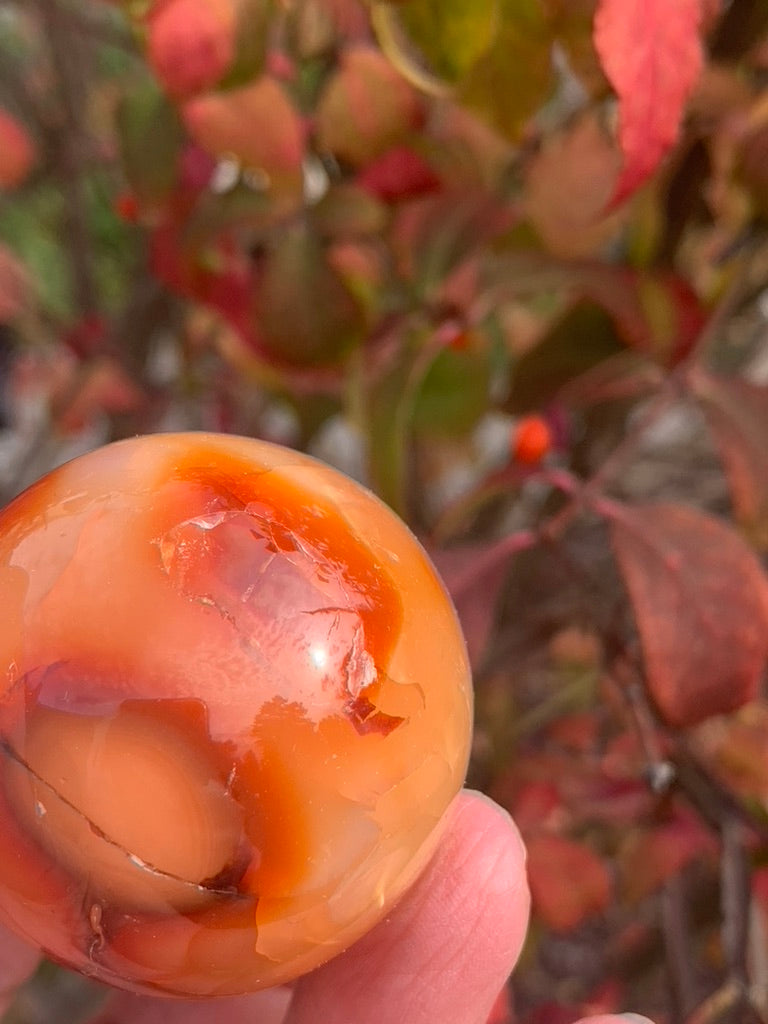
[{"x": 235, "y": 705}]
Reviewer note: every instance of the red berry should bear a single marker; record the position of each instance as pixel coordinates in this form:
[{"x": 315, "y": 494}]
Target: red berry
[
  {"x": 532, "y": 440},
  {"x": 127, "y": 207}
]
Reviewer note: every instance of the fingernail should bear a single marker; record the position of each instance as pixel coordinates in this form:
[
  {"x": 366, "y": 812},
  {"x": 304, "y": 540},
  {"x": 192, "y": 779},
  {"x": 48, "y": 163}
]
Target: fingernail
[{"x": 635, "y": 1018}]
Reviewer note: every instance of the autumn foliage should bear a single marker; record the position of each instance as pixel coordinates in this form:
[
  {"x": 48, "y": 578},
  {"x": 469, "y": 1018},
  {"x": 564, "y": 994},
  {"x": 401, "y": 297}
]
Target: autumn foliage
[{"x": 505, "y": 261}]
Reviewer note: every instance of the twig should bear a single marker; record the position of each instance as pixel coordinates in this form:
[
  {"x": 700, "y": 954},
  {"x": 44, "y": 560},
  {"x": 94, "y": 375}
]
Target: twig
[
  {"x": 758, "y": 959},
  {"x": 717, "y": 1005},
  {"x": 68, "y": 63},
  {"x": 677, "y": 947},
  {"x": 99, "y": 24},
  {"x": 735, "y": 898}
]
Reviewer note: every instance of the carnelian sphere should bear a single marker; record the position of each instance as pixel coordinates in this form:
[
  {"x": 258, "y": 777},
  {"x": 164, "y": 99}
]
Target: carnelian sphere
[{"x": 234, "y": 708}]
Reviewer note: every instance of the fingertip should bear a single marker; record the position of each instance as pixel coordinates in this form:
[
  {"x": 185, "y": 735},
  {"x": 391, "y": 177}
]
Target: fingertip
[
  {"x": 266, "y": 1007},
  {"x": 447, "y": 948},
  {"x": 616, "y": 1018}
]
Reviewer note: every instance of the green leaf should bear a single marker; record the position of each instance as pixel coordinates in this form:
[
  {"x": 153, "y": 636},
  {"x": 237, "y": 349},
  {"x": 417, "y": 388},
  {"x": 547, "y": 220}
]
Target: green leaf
[
  {"x": 583, "y": 338},
  {"x": 515, "y": 76},
  {"x": 445, "y": 230},
  {"x": 389, "y": 412},
  {"x": 150, "y": 141},
  {"x": 429, "y": 389},
  {"x": 452, "y": 35},
  {"x": 306, "y": 314},
  {"x": 347, "y": 210},
  {"x": 454, "y": 392},
  {"x": 31, "y": 230},
  {"x": 252, "y": 36}
]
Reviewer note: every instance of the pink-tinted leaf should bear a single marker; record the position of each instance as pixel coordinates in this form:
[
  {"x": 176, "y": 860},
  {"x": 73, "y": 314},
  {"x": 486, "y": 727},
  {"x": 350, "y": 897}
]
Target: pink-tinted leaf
[
  {"x": 651, "y": 53},
  {"x": 105, "y": 387},
  {"x": 700, "y": 598},
  {"x": 258, "y": 124},
  {"x": 366, "y": 108},
  {"x": 190, "y": 44},
  {"x": 568, "y": 881},
  {"x": 737, "y": 414},
  {"x": 474, "y": 581},
  {"x": 568, "y": 185}
]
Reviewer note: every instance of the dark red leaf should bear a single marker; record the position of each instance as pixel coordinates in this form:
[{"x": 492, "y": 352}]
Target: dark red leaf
[
  {"x": 737, "y": 414},
  {"x": 400, "y": 173},
  {"x": 700, "y": 599},
  {"x": 650, "y": 856},
  {"x": 568, "y": 881},
  {"x": 656, "y": 312},
  {"x": 651, "y": 53}
]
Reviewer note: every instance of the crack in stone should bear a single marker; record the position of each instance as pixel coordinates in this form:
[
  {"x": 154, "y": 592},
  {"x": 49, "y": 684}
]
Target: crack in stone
[{"x": 213, "y": 890}]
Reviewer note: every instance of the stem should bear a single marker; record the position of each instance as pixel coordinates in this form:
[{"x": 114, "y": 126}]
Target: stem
[
  {"x": 735, "y": 898},
  {"x": 678, "y": 947},
  {"x": 69, "y": 61}
]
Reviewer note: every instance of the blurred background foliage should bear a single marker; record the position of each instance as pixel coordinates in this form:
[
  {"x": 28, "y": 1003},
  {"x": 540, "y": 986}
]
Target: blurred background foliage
[{"x": 505, "y": 262}]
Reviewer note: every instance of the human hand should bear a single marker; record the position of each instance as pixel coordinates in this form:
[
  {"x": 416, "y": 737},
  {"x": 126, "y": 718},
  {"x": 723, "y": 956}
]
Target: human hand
[{"x": 440, "y": 957}]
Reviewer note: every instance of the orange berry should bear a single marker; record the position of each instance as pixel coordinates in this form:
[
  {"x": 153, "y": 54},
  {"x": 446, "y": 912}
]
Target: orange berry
[{"x": 532, "y": 440}]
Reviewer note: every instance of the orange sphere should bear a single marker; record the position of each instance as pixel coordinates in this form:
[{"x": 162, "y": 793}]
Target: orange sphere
[{"x": 235, "y": 706}]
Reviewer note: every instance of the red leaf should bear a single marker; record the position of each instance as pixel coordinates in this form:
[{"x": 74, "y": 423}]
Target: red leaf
[
  {"x": 651, "y": 856},
  {"x": 400, "y": 173},
  {"x": 651, "y": 53},
  {"x": 568, "y": 881},
  {"x": 700, "y": 598},
  {"x": 190, "y": 44},
  {"x": 17, "y": 152}
]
